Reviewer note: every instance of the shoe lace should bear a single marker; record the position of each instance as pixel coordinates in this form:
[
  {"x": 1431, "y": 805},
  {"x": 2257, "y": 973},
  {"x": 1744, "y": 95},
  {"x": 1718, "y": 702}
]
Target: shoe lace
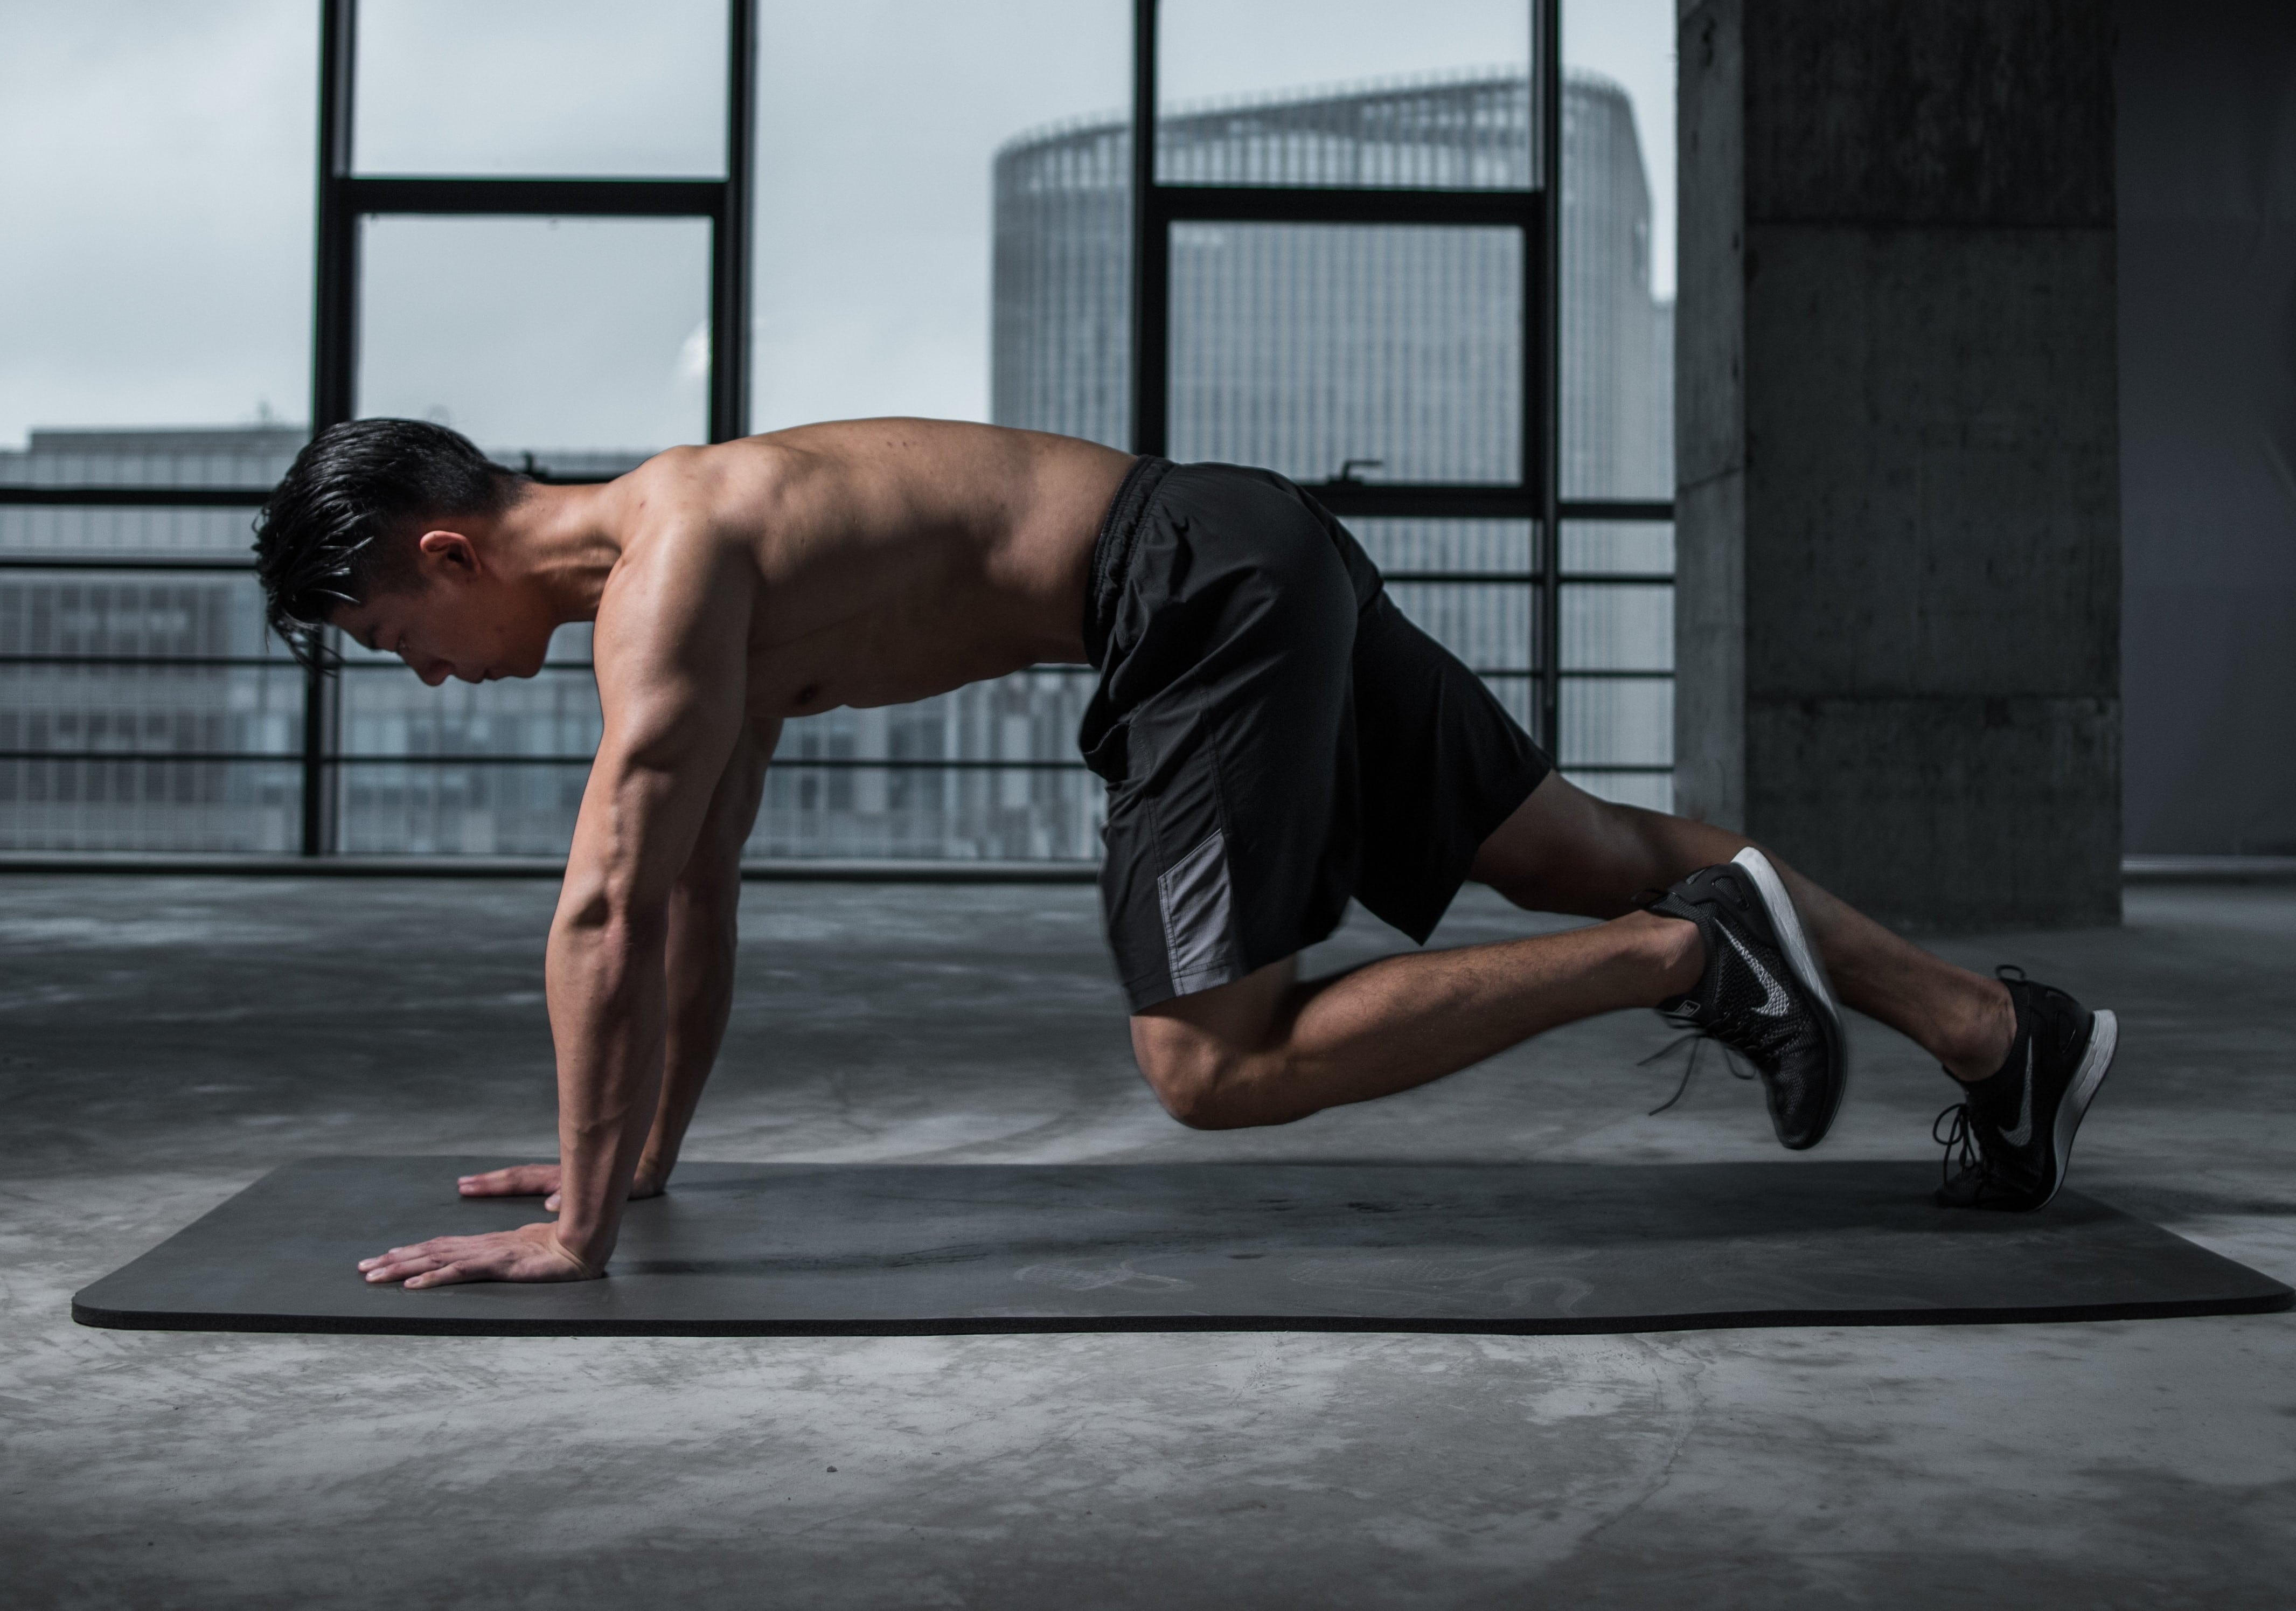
[
  {"x": 1961, "y": 1137},
  {"x": 1697, "y": 1039}
]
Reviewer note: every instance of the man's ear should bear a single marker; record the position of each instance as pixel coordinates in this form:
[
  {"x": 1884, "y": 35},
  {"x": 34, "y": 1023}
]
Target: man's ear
[{"x": 449, "y": 551}]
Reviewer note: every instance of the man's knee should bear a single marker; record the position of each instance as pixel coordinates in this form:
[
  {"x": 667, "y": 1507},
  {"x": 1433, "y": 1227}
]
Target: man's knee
[{"x": 1196, "y": 1076}]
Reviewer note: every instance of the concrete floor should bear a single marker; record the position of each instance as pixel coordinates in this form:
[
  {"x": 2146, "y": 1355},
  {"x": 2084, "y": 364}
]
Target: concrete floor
[{"x": 164, "y": 1041}]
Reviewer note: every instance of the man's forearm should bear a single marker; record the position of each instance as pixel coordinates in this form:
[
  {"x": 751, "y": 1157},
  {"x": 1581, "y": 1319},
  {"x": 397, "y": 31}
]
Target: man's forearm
[
  {"x": 700, "y": 997},
  {"x": 607, "y": 1010}
]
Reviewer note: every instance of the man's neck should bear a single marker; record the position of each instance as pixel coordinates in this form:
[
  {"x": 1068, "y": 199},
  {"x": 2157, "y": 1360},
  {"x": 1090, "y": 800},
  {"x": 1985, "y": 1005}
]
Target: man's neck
[{"x": 556, "y": 538}]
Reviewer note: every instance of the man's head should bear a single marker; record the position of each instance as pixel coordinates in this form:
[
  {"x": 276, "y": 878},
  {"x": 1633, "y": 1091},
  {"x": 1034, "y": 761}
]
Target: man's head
[{"x": 376, "y": 513}]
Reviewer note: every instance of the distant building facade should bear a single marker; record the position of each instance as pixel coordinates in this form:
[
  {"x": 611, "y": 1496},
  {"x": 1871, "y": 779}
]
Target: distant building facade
[
  {"x": 1302, "y": 346},
  {"x": 48, "y": 619}
]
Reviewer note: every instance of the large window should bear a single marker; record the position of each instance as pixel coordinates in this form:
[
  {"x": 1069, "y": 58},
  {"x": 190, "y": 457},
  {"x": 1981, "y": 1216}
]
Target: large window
[
  {"x": 1417, "y": 259},
  {"x": 155, "y": 169}
]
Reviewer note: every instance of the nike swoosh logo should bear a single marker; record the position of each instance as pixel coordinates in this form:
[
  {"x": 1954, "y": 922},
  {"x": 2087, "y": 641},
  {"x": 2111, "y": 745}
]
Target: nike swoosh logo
[
  {"x": 1775, "y": 1002},
  {"x": 2022, "y": 1135}
]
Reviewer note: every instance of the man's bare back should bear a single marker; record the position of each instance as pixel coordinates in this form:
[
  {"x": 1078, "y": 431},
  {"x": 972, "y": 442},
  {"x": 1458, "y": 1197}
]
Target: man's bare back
[{"x": 895, "y": 559}]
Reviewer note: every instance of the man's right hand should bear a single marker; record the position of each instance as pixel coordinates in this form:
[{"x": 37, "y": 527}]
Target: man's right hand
[{"x": 541, "y": 1180}]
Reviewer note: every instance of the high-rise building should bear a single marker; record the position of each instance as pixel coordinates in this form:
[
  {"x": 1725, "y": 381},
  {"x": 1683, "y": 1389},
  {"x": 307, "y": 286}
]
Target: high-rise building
[{"x": 1300, "y": 347}]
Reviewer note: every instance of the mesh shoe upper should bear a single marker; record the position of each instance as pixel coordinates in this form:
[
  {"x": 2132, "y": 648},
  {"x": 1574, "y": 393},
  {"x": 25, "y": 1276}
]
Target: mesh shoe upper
[
  {"x": 2011, "y": 1134},
  {"x": 1761, "y": 995}
]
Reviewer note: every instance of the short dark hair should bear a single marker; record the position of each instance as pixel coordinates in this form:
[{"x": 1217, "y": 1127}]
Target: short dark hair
[{"x": 336, "y": 530}]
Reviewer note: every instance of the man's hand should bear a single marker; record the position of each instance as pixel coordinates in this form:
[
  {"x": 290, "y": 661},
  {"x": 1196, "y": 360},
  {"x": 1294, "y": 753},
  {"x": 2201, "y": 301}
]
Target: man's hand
[
  {"x": 531, "y": 1253},
  {"x": 541, "y": 1180}
]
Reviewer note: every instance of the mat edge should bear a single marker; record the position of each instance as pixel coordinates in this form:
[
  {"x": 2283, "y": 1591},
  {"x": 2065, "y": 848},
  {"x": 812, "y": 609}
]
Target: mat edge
[{"x": 114, "y": 1319}]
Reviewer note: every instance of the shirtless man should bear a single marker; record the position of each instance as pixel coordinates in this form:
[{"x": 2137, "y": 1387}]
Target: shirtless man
[{"x": 1276, "y": 738}]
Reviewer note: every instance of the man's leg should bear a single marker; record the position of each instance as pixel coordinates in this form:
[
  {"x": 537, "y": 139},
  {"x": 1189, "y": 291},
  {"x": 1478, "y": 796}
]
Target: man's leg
[
  {"x": 1270, "y": 1047},
  {"x": 1565, "y": 851}
]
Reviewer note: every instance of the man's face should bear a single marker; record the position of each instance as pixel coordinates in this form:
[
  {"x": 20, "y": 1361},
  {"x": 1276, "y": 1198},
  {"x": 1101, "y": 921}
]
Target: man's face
[{"x": 459, "y": 619}]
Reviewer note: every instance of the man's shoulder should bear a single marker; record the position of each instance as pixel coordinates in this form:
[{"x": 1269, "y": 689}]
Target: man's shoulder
[
  {"x": 693, "y": 485},
  {"x": 683, "y": 542}
]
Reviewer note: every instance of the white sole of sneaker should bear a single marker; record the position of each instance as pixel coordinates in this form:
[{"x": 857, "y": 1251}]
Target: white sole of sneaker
[
  {"x": 1800, "y": 954},
  {"x": 2096, "y": 1062}
]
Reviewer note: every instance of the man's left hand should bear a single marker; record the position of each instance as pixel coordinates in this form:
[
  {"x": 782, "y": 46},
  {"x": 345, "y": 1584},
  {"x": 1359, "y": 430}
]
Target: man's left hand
[{"x": 531, "y": 1253}]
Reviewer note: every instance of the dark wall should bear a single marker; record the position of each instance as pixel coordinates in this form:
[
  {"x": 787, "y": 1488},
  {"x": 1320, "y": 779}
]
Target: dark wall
[
  {"x": 2207, "y": 97},
  {"x": 1897, "y": 639}
]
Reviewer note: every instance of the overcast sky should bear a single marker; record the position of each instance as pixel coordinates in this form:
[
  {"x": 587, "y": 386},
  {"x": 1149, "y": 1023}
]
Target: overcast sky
[{"x": 156, "y": 171}]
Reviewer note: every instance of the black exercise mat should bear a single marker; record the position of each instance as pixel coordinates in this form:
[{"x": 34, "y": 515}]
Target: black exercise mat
[{"x": 740, "y": 1249}]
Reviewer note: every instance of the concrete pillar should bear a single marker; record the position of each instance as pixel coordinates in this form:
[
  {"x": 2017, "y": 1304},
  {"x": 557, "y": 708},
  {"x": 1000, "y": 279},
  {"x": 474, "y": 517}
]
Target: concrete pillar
[{"x": 1898, "y": 521}]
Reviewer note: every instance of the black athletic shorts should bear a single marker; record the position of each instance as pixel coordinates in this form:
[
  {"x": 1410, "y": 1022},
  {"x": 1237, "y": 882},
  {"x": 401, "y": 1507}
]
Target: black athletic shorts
[{"x": 1275, "y": 735}]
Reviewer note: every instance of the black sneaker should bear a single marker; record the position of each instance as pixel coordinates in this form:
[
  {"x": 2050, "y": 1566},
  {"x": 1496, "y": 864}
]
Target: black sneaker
[
  {"x": 1764, "y": 995},
  {"x": 2014, "y": 1131}
]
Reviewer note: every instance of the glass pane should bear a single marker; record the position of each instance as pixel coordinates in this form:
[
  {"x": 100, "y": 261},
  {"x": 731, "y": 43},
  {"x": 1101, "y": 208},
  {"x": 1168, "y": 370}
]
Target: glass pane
[
  {"x": 1500, "y": 546},
  {"x": 175, "y": 456},
  {"x": 1652, "y": 791},
  {"x": 64, "y": 612},
  {"x": 387, "y": 712},
  {"x": 443, "y": 810},
  {"x": 541, "y": 87},
  {"x": 850, "y": 807},
  {"x": 1061, "y": 355},
  {"x": 1388, "y": 352},
  {"x": 32, "y": 530},
  {"x": 1617, "y": 243},
  {"x": 155, "y": 173},
  {"x": 250, "y": 808},
  {"x": 944, "y": 228},
  {"x": 1488, "y": 626},
  {"x": 1517, "y": 694},
  {"x": 150, "y": 709},
  {"x": 870, "y": 812},
  {"x": 942, "y": 190},
  {"x": 540, "y": 335},
  {"x": 1618, "y": 628},
  {"x": 1629, "y": 548},
  {"x": 53, "y": 624},
  {"x": 1346, "y": 92},
  {"x": 1618, "y": 722}
]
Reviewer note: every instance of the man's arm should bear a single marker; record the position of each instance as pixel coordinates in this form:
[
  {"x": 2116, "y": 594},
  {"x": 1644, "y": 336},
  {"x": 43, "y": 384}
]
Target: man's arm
[
  {"x": 703, "y": 910},
  {"x": 671, "y": 654}
]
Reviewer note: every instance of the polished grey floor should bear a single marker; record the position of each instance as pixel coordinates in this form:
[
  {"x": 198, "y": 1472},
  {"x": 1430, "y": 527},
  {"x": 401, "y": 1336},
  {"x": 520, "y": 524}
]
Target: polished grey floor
[{"x": 164, "y": 1041}]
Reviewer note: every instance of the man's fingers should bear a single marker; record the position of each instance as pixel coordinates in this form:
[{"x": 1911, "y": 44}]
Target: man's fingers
[
  {"x": 400, "y": 1262},
  {"x": 397, "y": 1267},
  {"x": 550, "y": 1204},
  {"x": 518, "y": 1180},
  {"x": 532, "y": 1252}
]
